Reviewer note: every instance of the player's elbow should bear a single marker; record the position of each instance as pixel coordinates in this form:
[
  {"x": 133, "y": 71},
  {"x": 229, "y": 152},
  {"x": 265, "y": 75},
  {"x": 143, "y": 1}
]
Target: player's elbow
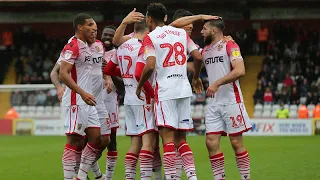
[
  {"x": 62, "y": 76},
  {"x": 241, "y": 72}
]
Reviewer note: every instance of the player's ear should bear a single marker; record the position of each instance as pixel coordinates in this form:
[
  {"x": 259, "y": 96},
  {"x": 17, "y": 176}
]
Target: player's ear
[
  {"x": 79, "y": 26},
  {"x": 165, "y": 18}
]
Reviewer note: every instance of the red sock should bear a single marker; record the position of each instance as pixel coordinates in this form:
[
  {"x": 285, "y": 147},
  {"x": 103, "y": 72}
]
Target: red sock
[
  {"x": 112, "y": 157},
  {"x": 157, "y": 163},
  {"x": 69, "y": 160},
  {"x": 169, "y": 158},
  {"x": 243, "y": 162},
  {"x": 146, "y": 159},
  {"x": 131, "y": 165},
  {"x": 89, "y": 156},
  {"x": 217, "y": 164},
  {"x": 187, "y": 161}
]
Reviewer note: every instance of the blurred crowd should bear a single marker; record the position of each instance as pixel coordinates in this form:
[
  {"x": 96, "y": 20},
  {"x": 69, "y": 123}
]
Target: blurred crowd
[{"x": 291, "y": 69}]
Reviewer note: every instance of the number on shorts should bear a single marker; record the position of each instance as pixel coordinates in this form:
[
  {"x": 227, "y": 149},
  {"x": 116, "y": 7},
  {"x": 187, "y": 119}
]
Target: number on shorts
[
  {"x": 177, "y": 52},
  {"x": 126, "y": 74},
  {"x": 236, "y": 122}
]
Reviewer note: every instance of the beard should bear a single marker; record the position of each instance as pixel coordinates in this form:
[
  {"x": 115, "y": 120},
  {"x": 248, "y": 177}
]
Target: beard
[{"x": 208, "y": 40}]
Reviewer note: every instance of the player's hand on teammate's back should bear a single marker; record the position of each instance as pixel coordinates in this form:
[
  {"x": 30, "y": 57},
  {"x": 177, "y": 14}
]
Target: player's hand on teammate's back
[
  {"x": 108, "y": 84},
  {"x": 133, "y": 17},
  {"x": 197, "y": 85},
  {"x": 227, "y": 39},
  {"x": 208, "y": 17},
  {"x": 88, "y": 98},
  {"x": 212, "y": 89},
  {"x": 60, "y": 92},
  {"x": 138, "y": 93}
]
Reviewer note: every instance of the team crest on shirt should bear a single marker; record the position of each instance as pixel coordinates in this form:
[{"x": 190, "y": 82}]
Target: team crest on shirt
[
  {"x": 79, "y": 126},
  {"x": 68, "y": 54},
  {"x": 97, "y": 48},
  {"x": 235, "y": 52},
  {"x": 219, "y": 47}
]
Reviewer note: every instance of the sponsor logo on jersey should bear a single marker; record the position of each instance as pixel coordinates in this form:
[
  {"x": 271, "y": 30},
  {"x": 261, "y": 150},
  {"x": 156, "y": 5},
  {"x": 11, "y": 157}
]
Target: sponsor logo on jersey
[
  {"x": 73, "y": 108},
  {"x": 175, "y": 76},
  {"x": 235, "y": 52},
  {"x": 148, "y": 108},
  {"x": 212, "y": 60},
  {"x": 97, "y": 48},
  {"x": 87, "y": 58},
  {"x": 97, "y": 60},
  {"x": 68, "y": 54}
]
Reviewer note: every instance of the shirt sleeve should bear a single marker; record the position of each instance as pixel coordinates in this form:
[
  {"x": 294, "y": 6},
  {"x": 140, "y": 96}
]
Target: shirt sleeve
[
  {"x": 70, "y": 52},
  {"x": 191, "y": 46},
  {"x": 233, "y": 51},
  {"x": 114, "y": 58},
  {"x": 149, "y": 49}
]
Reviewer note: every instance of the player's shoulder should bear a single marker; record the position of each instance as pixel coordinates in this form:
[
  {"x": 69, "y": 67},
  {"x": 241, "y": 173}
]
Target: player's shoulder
[
  {"x": 231, "y": 44},
  {"x": 72, "y": 45},
  {"x": 97, "y": 47}
]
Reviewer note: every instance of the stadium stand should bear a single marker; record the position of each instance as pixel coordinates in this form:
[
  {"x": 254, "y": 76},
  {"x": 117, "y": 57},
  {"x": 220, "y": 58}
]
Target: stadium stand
[{"x": 290, "y": 70}]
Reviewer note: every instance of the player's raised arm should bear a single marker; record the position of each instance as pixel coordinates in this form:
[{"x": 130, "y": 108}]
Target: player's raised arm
[
  {"x": 132, "y": 17},
  {"x": 54, "y": 76},
  {"x": 184, "y": 21},
  {"x": 237, "y": 70}
]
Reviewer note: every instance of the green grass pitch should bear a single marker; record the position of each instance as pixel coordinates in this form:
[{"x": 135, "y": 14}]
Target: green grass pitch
[{"x": 272, "y": 158}]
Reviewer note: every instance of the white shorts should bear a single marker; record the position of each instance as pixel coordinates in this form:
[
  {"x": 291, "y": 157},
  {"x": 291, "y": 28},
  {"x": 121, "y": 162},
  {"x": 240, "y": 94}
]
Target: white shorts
[
  {"x": 113, "y": 112},
  {"x": 229, "y": 119},
  {"x": 80, "y": 117},
  {"x": 139, "y": 119},
  {"x": 174, "y": 113},
  {"x": 104, "y": 119}
]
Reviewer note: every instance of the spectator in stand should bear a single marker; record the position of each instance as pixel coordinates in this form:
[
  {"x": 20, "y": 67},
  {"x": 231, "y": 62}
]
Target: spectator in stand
[
  {"x": 312, "y": 98},
  {"x": 273, "y": 81},
  {"x": 314, "y": 88},
  {"x": 288, "y": 82},
  {"x": 303, "y": 112},
  {"x": 41, "y": 98},
  {"x": 268, "y": 97},
  {"x": 16, "y": 98},
  {"x": 281, "y": 73},
  {"x": 295, "y": 96},
  {"x": 263, "y": 72},
  {"x": 276, "y": 96},
  {"x": 32, "y": 100},
  {"x": 304, "y": 88},
  {"x": 258, "y": 95},
  {"x": 284, "y": 97},
  {"x": 282, "y": 112},
  {"x": 316, "y": 111}
]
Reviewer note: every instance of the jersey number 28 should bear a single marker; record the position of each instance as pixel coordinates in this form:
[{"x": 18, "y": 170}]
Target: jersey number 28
[{"x": 176, "y": 50}]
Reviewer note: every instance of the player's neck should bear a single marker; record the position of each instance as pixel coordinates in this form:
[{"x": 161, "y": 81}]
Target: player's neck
[
  {"x": 158, "y": 25},
  {"x": 139, "y": 36},
  {"x": 217, "y": 39},
  {"x": 81, "y": 37}
]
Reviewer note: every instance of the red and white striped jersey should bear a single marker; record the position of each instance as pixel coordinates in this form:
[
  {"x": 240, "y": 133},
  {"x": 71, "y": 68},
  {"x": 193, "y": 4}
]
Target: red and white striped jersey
[
  {"x": 170, "y": 46},
  {"x": 113, "y": 96},
  {"x": 77, "y": 53},
  {"x": 97, "y": 50},
  {"x": 127, "y": 56},
  {"x": 217, "y": 60}
]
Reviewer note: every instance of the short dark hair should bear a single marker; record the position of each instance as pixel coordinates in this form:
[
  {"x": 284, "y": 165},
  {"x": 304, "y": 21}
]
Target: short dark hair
[
  {"x": 140, "y": 26},
  {"x": 219, "y": 23},
  {"x": 80, "y": 19},
  {"x": 181, "y": 13},
  {"x": 157, "y": 11},
  {"x": 110, "y": 27}
]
